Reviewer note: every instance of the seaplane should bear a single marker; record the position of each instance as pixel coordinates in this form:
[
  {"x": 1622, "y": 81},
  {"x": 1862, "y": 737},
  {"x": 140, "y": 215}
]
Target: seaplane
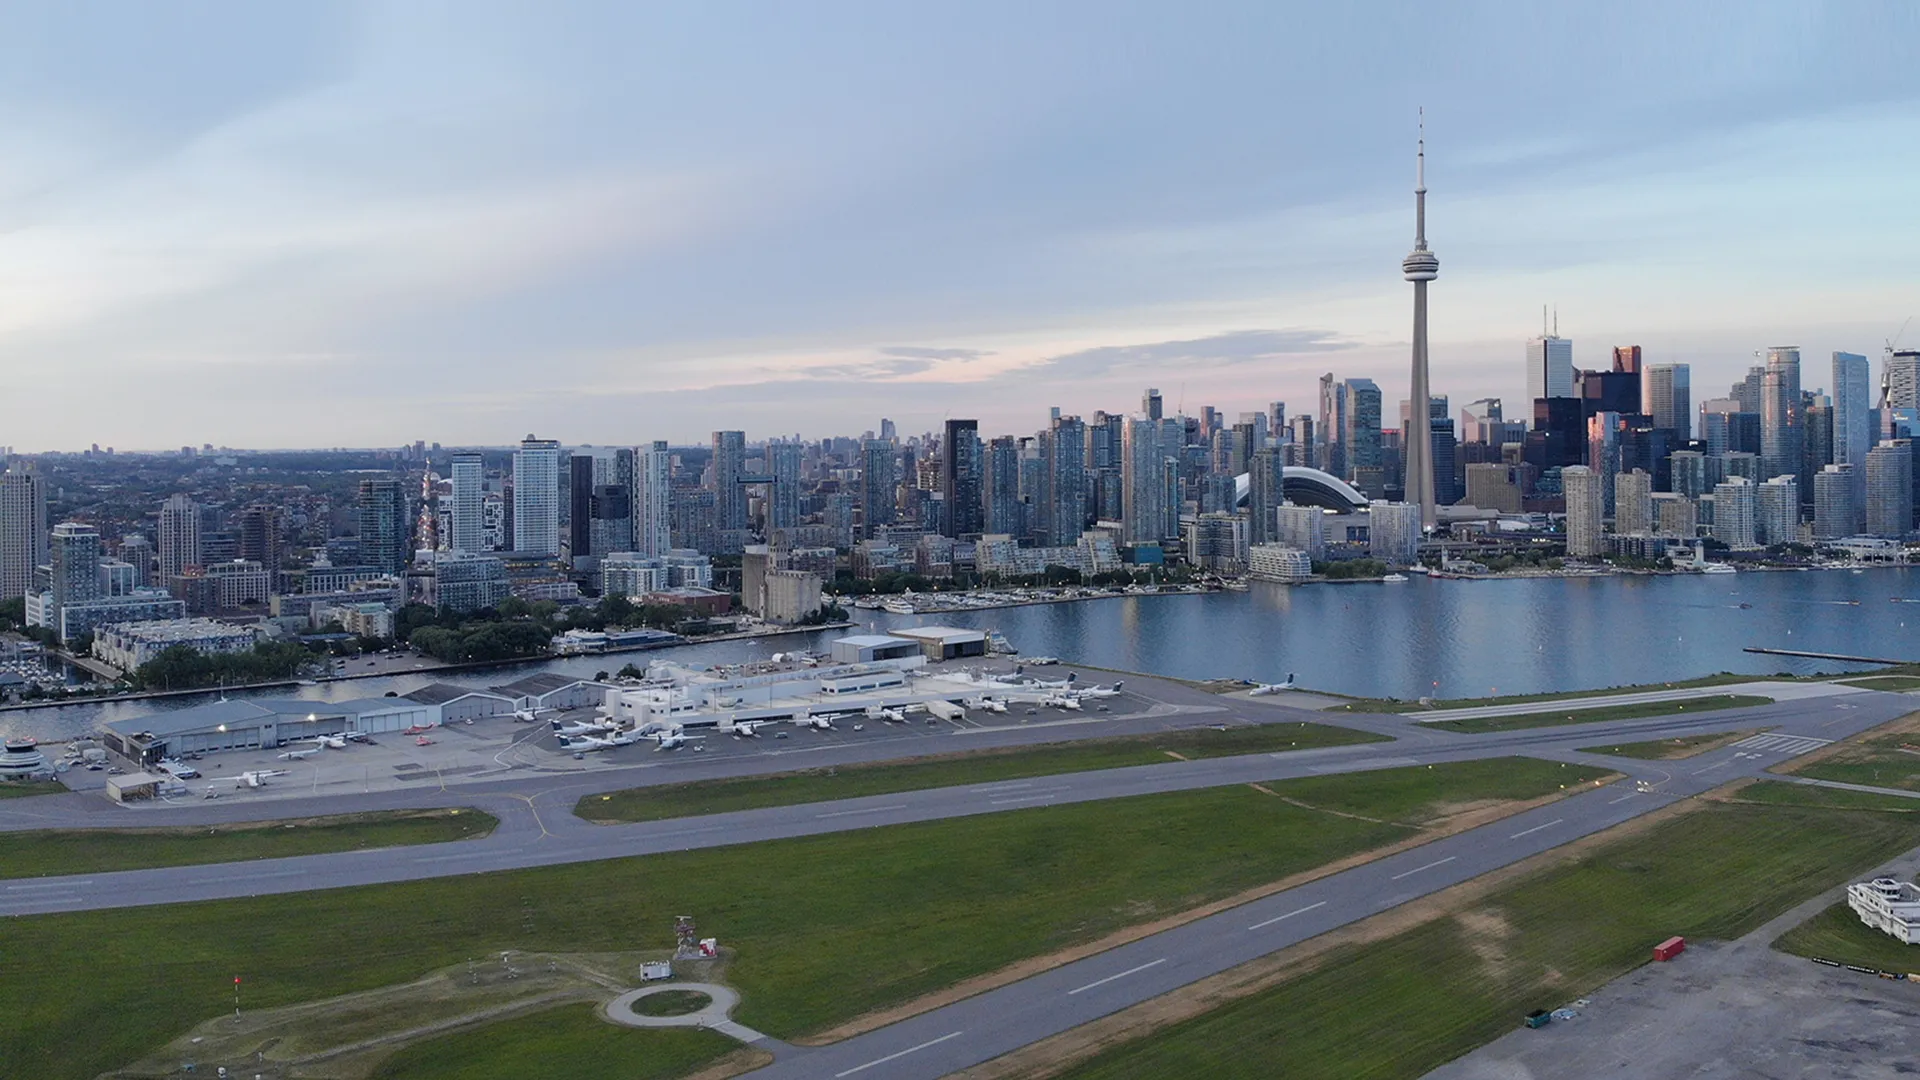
[
  {"x": 1263, "y": 689},
  {"x": 300, "y": 755},
  {"x": 580, "y": 727}
]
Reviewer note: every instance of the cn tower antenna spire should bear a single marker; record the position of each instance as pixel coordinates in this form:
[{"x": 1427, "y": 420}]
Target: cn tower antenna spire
[{"x": 1420, "y": 267}]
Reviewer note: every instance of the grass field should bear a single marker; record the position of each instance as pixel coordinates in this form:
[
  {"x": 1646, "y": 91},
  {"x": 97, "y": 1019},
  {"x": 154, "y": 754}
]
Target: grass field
[
  {"x": 1395, "y": 705},
  {"x": 87, "y": 851},
  {"x": 1838, "y": 934},
  {"x": 1890, "y": 759},
  {"x": 565, "y": 1042},
  {"x": 1779, "y": 792},
  {"x": 1403, "y": 1006},
  {"x": 671, "y": 1003},
  {"x": 974, "y": 767},
  {"x": 1481, "y": 725},
  {"x": 20, "y": 789},
  {"x": 1685, "y": 746},
  {"x": 821, "y": 929},
  {"x": 1891, "y": 683}
]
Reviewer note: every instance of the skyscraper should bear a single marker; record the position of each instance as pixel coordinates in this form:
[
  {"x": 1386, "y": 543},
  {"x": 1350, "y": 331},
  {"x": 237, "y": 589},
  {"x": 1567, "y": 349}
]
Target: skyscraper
[
  {"x": 1549, "y": 367},
  {"x": 260, "y": 528},
  {"x": 600, "y": 484},
  {"x": 1889, "y": 506},
  {"x": 960, "y": 479},
  {"x": 876, "y": 484},
  {"x": 1063, "y": 452},
  {"x": 1150, "y": 404},
  {"x": 1902, "y": 377},
  {"x": 1633, "y": 503},
  {"x": 783, "y": 495},
  {"x": 179, "y": 536},
  {"x": 1776, "y": 511},
  {"x": 1144, "y": 512},
  {"x": 74, "y": 555},
  {"x": 536, "y": 498},
  {"x": 467, "y": 526},
  {"x": 1001, "y": 481},
  {"x": 1834, "y": 510},
  {"x": 1420, "y": 266},
  {"x": 1667, "y": 398},
  {"x": 1361, "y": 405},
  {"x": 1852, "y": 421},
  {"x": 1733, "y": 508},
  {"x": 23, "y": 529},
  {"x": 729, "y": 463},
  {"x": 653, "y": 500},
  {"x": 386, "y": 526},
  {"x": 1581, "y": 486},
  {"x": 1780, "y": 413},
  {"x": 1333, "y": 427},
  {"x": 1265, "y": 492}
]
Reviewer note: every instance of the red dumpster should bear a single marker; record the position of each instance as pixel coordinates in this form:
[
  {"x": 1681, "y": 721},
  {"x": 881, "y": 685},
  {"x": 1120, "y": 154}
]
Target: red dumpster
[{"x": 1669, "y": 948}]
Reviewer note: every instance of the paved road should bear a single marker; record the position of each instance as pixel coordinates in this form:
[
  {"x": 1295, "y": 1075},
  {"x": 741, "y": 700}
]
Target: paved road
[{"x": 1777, "y": 690}]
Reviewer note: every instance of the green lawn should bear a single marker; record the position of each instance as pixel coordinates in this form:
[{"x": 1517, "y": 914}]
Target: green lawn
[
  {"x": 1892, "y": 683},
  {"x": 672, "y": 1003},
  {"x": 822, "y": 928},
  {"x": 1480, "y": 725},
  {"x": 88, "y": 851},
  {"x": 946, "y": 770},
  {"x": 1888, "y": 761},
  {"x": 1406, "y": 1005},
  {"x": 1838, "y": 934},
  {"x": 18, "y": 789},
  {"x": 1779, "y": 792},
  {"x": 571, "y": 1041},
  {"x": 1668, "y": 749},
  {"x": 1395, "y": 705}
]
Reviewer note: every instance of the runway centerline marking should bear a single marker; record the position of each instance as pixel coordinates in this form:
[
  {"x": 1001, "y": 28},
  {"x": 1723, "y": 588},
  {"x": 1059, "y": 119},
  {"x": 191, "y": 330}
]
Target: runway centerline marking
[
  {"x": 901, "y": 1054},
  {"x": 51, "y": 885},
  {"x": 1022, "y": 798},
  {"x": 868, "y": 810},
  {"x": 1429, "y": 866},
  {"x": 1288, "y": 915},
  {"x": 1622, "y": 798},
  {"x": 1122, "y": 975},
  {"x": 1536, "y": 828}
]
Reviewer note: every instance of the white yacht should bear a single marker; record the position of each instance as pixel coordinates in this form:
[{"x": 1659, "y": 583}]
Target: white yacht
[{"x": 1394, "y": 579}]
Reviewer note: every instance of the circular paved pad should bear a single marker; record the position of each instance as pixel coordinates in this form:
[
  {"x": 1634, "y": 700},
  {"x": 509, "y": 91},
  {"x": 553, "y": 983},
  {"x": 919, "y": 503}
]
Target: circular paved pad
[{"x": 620, "y": 1009}]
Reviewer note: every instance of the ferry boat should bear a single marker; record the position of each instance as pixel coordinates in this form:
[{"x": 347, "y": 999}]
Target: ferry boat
[
  {"x": 899, "y": 607},
  {"x": 1394, "y": 579},
  {"x": 1718, "y": 568}
]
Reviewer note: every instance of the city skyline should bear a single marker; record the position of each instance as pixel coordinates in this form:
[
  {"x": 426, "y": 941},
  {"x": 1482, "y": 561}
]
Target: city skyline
[{"x": 520, "y": 227}]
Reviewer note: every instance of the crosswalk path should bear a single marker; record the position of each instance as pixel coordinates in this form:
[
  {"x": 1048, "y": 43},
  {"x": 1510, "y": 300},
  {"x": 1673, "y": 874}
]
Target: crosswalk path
[{"x": 1790, "y": 745}]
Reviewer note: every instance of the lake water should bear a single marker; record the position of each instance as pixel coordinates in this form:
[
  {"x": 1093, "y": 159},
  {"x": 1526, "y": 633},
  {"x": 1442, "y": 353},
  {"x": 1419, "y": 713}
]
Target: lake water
[{"x": 1444, "y": 638}]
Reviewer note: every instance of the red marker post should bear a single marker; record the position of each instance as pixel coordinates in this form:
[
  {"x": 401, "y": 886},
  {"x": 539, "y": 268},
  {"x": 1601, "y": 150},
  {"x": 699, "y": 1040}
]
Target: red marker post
[{"x": 236, "y": 999}]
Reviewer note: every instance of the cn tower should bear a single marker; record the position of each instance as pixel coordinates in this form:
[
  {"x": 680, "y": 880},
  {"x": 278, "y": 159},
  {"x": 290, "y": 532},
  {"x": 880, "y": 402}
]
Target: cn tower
[{"x": 1420, "y": 267}]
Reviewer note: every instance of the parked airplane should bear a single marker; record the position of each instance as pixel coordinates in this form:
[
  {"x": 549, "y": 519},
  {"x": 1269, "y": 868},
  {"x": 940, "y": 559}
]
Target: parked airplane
[
  {"x": 1272, "y": 688},
  {"x": 258, "y": 778},
  {"x": 580, "y": 727},
  {"x": 1101, "y": 691},
  {"x": 674, "y": 740},
  {"x": 1062, "y": 701},
  {"x": 528, "y": 716},
  {"x": 421, "y": 729},
  {"x": 300, "y": 755},
  {"x": 585, "y": 743},
  {"x": 747, "y": 729},
  {"x": 823, "y": 722},
  {"x": 891, "y": 716}
]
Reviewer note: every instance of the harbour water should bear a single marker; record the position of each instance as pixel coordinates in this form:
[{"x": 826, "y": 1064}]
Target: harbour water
[{"x": 1422, "y": 637}]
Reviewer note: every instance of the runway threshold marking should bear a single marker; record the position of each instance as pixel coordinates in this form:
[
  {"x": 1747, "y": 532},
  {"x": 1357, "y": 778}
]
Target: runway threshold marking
[
  {"x": 1122, "y": 975},
  {"x": 1429, "y": 866},
  {"x": 868, "y": 810},
  {"x": 1288, "y": 915},
  {"x": 901, "y": 1054},
  {"x": 1536, "y": 828}
]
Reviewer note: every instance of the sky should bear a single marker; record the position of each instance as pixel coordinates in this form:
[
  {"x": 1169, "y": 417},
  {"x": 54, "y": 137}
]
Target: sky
[{"x": 289, "y": 225}]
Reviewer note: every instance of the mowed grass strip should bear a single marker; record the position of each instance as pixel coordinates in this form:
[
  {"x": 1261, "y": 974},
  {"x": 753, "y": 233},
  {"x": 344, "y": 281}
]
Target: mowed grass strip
[
  {"x": 1838, "y": 934},
  {"x": 1896, "y": 684},
  {"x": 1406, "y": 1005},
  {"x": 1670, "y": 749},
  {"x": 1484, "y": 724},
  {"x": 88, "y": 851},
  {"x": 973, "y": 767},
  {"x": 1396, "y": 705},
  {"x": 571, "y": 1041},
  {"x": 1782, "y": 793},
  {"x": 1890, "y": 761},
  {"x": 20, "y": 789},
  {"x": 821, "y": 929}
]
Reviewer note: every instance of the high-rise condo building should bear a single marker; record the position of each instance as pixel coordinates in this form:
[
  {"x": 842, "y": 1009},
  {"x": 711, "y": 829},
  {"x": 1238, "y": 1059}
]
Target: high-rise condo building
[
  {"x": 1001, "y": 481},
  {"x": 536, "y": 498},
  {"x": 261, "y": 525},
  {"x": 960, "y": 479},
  {"x": 386, "y": 525},
  {"x": 600, "y": 493},
  {"x": 1835, "y": 514},
  {"x": 653, "y": 500},
  {"x": 1150, "y": 404},
  {"x": 1333, "y": 426},
  {"x": 1776, "y": 511},
  {"x": 1902, "y": 377},
  {"x": 74, "y": 556},
  {"x": 1063, "y": 451},
  {"x": 1889, "y": 507},
  {"x": 1393, "y": 532},
  {"x": 179, "y": 536},
  {"x": 1852, "y": 421},
  {"x": 1144, "y": 509},
  {"x": 1581, "y": 487},
  {"x": 1265, "y": 492},
  {"x": 1733, "y": 510},
  {"x": 1666, "y": 396},
  {"x": 467, "y": 525},
  {"x": 1633, "y": 503},
  {"x": 1781, "y": 413},
  {"x": 23, "y": 529},
  {"x": 877, "y": 482},
  {"x": 1361, "y": 398},
  {"x": 783, "y": 494},
  {"x": 729, "y": 464},
  {"x": 1303, "y": 527}
]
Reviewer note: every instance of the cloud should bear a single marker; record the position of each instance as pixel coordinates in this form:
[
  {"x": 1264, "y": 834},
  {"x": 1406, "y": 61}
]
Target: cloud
[
  {"x": 915, "y": 352},
  {"x": 1229, "y": 349}
]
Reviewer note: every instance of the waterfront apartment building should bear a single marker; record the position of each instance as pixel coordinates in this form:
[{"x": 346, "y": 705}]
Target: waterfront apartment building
[
  {"x": 1585, "y": 506},
  {"x": 1674, "y": 515},
  {"x": 962, "y": 508},
  {"x": 1278, "y": 562},
  {"x": 467, "y": 527},
  {"x": 1835, "y": 515},
  {"x": 1633, "y": 503},
  {"x": 1776, "y": 511},
  {"x": 1302, "y": 527},
  {"x": 653, "y": 500},
  {"x": 1733, "y": 512},
  {"x": 1889, "y": 509},
  {"x": 1393, "y": 532},
  {"x": 386, "y": 525}
]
